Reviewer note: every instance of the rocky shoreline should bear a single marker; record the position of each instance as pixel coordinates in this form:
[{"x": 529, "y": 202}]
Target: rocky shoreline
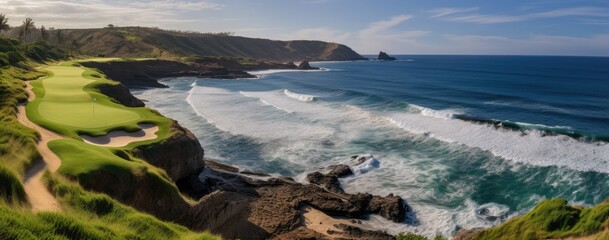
[
  {"x": 145, "y": 73},
  {"x": 240, "y": 204}
]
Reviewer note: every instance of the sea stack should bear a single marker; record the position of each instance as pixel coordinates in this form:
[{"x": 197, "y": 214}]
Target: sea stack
[
  {"x": 383, "y": 56},
  {"x": 304, "y": 65}
]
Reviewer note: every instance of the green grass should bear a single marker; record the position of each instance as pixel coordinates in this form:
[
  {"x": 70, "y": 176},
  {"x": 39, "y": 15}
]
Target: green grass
[
  {"x": 84, "y": 215},
  {"x": 552, "y": 218},
  {"x": 83, "y": 162},
  {"x": 412, "y": 236},
  {"x": 11, "y": 190},
  {"x": 68, "y": 102},
  {"x": 87, "y": 215},
  {"x": 17, "y": 142}
]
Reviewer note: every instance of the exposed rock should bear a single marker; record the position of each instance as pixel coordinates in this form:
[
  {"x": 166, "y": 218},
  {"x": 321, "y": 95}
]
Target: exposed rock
[
  {"x": 355, "y": 232},
  {"x": 385, "y": 57},
  {"x": 329, "y": 181},
  {"x": 340, "y": 170},
  {"x": 304, "y": 65},
  {"x": 180, "y": 156},
  {"x": 146, "y": 72},
  {"x": 120, "y": 94},
  {"x": 246, "y": 172},
  {"x": 220, "y": 166},
  {"x": 390, "y": 207},
  {"x": 290, "y": 65}
]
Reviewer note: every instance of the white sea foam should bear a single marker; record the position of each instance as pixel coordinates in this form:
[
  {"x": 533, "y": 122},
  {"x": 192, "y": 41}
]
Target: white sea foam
[
  {"x": 299, "y": 96},
  {"x": 530, "y": 106},
  {"x": 240, "y": 115},
  {"x": 533, "y": 148},
  {"x": 273, "y": 71},
  {"x": 369, "y": 164},
  {"x": 428, "y": 112},
  {"x": 536, "y": 125}
]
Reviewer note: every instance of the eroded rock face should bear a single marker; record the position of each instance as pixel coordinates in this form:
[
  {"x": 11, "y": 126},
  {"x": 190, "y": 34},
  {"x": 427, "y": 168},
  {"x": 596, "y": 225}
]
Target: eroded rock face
[
  {"x": 180, "y": 156},
  {"x": 328, "y": 181},
  {"x": 120, "y": 94},
  {"x": 304, "y": 65},
  {"x": 340, "y": 170},
  {"x": 274, "y": 204}
]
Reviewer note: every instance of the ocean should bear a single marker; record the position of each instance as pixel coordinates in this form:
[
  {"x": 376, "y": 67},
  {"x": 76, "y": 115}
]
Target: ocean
[{"x": 467, "y": 141}]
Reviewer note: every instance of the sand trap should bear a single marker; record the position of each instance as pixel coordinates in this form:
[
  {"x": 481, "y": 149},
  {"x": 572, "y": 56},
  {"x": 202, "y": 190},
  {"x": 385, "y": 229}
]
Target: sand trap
[
  {"x": 122, "y": 138},
  {"x": 320, "y": 222}
]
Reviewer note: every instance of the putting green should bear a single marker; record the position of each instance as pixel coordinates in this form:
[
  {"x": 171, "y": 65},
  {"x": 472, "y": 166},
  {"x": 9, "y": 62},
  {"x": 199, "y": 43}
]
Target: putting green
[
  {"x": 86, "y": 115},
  {"x": 67, "y": 101}
]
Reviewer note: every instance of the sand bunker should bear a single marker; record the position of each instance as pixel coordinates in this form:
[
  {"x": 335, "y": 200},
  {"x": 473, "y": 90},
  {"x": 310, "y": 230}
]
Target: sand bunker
[{"x": 121, "y": 138}]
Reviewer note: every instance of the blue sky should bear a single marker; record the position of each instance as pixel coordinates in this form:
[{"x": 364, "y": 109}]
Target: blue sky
[{"x": 543, "y": 27}]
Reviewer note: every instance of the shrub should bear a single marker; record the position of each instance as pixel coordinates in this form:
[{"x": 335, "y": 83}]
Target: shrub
[
  {"x": 4, "y": 59},
  {"x": 11, "y": 190}
]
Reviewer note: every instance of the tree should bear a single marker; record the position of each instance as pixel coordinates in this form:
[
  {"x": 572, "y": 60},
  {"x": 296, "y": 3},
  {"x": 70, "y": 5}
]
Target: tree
[
  {"x": 3, "y": 23},
  {"x": 44, "y": 35},
  {"x": 28, "y": 24},
  {"x": 59, "y": 37}
]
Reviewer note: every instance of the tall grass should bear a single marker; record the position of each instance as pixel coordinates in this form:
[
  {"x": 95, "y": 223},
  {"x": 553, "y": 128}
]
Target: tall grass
[{"x": 552, "y": 219}]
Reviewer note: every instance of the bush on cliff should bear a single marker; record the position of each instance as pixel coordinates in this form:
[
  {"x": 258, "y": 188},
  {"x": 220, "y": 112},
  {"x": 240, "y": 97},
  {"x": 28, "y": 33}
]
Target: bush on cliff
[{"x": 552, "y": 218}]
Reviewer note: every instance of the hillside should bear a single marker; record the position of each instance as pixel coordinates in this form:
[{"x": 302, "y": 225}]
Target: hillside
[{"x": 152, "y": 42}]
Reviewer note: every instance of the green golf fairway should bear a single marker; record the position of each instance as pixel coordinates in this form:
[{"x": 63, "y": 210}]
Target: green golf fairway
[
  {"x": 67, "y": 101},
  {"x": 66, "y": 84}
]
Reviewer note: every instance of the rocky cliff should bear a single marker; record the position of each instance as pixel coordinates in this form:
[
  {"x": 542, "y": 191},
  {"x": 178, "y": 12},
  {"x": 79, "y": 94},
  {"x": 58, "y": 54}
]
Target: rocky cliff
[{"x": 146, "y": 72}]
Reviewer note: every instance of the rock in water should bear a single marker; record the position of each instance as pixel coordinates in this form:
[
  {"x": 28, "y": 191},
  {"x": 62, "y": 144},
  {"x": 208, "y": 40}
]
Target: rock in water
[
  {"x": 383, "y": 56},
  {"x": 340, "y": 170},
  {"x": 304, "y": 65}
]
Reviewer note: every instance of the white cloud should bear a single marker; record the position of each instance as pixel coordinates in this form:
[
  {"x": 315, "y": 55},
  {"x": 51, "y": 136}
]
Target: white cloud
[
  {"x": 565, "y": 12},
  {"x": 381, "y": 35},
  {"x": 380, "y": 26},
  {"x": 376, "y": 36},
  {"x": 441, "y": 12},
  {"x": 96, "y": 13}
]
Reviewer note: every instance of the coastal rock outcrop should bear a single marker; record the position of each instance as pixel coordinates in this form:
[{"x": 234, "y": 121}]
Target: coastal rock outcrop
[
  {"x": 385, "y": 57},
  {"x": 120, "y": 94},
  {"x": 145, "y": 73},
  {"x": 304, "y": 65},
  {"x": 180, "y": 156}
]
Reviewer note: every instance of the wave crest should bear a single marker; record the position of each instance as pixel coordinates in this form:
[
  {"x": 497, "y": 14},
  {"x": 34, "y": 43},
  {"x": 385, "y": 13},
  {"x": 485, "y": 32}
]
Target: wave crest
[
  {"x": 299, "y": 97},
  {"x": 428, "y": 112}
]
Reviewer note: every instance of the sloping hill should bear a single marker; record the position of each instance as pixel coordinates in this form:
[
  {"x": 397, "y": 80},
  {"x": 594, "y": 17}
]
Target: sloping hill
[{"x": 153, "y": 42}]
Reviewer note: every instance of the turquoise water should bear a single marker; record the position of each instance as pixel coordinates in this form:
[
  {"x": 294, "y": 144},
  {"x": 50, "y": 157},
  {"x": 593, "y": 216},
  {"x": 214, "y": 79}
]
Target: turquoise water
[{"x": 453, "y": 134}]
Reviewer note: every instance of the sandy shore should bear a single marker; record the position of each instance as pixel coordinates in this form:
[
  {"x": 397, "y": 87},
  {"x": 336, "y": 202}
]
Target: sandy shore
[{"x": 322, "y": 223}]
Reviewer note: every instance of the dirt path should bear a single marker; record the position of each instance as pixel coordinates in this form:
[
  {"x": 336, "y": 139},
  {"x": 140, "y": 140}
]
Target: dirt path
[{"x": 38, "y": 195}]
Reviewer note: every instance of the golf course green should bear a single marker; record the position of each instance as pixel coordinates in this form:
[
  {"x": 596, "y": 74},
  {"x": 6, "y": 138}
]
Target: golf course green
[{"x": 68, "y": 102}]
